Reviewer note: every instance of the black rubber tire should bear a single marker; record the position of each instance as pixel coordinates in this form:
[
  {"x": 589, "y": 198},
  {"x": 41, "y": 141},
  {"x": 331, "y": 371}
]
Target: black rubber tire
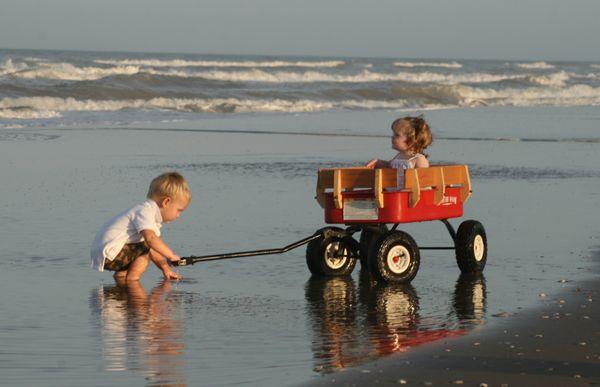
[
  {"x": 379, "y": 264},
  {"x": 368, "y": 236},
  {"x": 471, "y": 247},
  {"x": 319, "y": 261},
  {"x": 313, "y": 245}
]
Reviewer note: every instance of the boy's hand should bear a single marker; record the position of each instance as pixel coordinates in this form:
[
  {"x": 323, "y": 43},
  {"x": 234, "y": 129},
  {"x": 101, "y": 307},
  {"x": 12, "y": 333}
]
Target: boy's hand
[
  {"x": 171, "y": 275},
  {"x": 175, "y": 258}
]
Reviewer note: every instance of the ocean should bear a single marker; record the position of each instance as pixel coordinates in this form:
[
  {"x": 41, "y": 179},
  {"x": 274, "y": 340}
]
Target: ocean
[
  {"x": 64, "y": 88},
  {"x": 82, "y": 134}
]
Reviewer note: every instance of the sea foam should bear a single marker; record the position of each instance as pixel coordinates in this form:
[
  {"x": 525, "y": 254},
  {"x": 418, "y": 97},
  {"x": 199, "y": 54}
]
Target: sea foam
[
  {"x": 535, "y": 66},
  {"x": 48, "y": 107},
  {"x": 576, "y": 95},
  {"x": 216, "y": 63},
  {"x": 365, "y": 76},
  {"x": 449, "y": 65},
  {"x": 70, "y": 72},
  {"x": 8, "y": 67}
]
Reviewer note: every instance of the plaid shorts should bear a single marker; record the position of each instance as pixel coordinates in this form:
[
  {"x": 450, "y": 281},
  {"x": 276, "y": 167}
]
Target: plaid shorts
[{"x": 126, "y": 256}]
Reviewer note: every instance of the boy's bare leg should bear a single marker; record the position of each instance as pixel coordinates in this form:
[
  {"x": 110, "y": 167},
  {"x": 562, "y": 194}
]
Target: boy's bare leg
[
  {"x": 161, "y": 263},
  {"x": 137, "y": 268}
]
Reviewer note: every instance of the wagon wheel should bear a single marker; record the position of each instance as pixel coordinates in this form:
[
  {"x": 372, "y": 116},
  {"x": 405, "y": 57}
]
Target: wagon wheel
[
  {"x": 471, "y": 247},
  {"x": 333, "y": 255},
  {"x": 368, "y": 235},
  {"x": 395, "y": 258}
]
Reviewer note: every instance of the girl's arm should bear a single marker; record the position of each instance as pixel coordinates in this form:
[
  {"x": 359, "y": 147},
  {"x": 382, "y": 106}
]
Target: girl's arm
[
  {"x": 376, "y": 163},
  {"x": 422, "y": 162}
]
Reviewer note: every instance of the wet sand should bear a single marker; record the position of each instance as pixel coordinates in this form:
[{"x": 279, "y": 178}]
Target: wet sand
[
  {"x": 264, "y": 321},
  {"x": 556, "y": 343}
]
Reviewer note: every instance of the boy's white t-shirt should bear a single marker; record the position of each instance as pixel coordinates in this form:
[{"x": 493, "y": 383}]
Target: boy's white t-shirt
[{"x": 122, "y": 229}]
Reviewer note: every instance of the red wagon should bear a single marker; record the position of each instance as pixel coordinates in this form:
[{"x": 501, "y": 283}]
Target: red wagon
[{"x": 366, "y": 200}]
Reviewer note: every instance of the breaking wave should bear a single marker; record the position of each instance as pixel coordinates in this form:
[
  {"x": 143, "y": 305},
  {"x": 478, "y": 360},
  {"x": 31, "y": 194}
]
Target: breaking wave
[
  {"x": 69, "y": 72},
  {"x": 215, "y": 63},
  {"x": 454, "y": 96},
  {"x": 8, "y": 67},
  {"x": 66, "y": 71},
  {"x": 364, "y": 76},
  {"x": 577, "y": 95},
  {"x": 555, "y": 80},
  {"x": 535, "y": 66},
  {"x": 47, "y": 85},
  {"x": 450, "y": 65},
  {"x": 48, "y": 107}
]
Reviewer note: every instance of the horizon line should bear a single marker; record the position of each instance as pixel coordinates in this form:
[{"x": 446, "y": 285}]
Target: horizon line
[{"x": 118, "y": 51}]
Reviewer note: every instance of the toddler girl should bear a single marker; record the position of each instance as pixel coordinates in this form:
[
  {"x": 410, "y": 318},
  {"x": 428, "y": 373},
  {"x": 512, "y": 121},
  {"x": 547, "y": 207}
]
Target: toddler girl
[{"x": 411, "y": 136}]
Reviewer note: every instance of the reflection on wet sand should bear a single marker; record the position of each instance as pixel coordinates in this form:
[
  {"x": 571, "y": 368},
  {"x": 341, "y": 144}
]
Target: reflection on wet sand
[
  {"x": 352, "y": 327},
  {"x": 140, "y": 332},
  {"x": 469, "y": 300}
]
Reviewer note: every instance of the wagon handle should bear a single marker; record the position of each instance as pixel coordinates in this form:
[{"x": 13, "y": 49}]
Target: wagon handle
[{"x": 185, "y": 261}]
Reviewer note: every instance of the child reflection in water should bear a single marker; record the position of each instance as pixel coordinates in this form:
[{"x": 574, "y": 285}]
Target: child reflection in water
[{"x": 140, "y": 331}]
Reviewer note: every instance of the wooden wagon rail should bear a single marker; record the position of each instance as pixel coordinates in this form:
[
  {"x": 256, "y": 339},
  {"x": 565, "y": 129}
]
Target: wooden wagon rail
[{"x": 438, "y": 178}]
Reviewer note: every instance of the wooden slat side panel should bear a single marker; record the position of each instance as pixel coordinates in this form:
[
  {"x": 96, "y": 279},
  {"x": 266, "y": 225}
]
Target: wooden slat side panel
[
  {"x": 439, "y": 184},
  {"x": 389, "y": 178},
  {"x": 454, "y": 174},
  {"x": 325, "y": 179},
  {"x": 430, "y": 177},
  {"x": 357, "y": 178},
  {"x": 378, "y": 188},
  {"x": 412, "y": 183},
  {"x": 320, "y": 194},
  {"x": 458, "y": 175},
  {"x": 337, "y": 188},
  {"x": 438, "y": 177}
]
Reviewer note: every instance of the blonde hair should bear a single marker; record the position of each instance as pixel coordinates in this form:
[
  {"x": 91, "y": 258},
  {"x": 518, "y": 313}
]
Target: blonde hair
[
  {"x": 170, "y": 184},
  {"x": 418, "y": 133}
]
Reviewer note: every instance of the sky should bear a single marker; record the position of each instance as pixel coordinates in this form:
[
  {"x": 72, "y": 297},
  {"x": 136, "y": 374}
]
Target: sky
[{"x": 565, "y": 30}]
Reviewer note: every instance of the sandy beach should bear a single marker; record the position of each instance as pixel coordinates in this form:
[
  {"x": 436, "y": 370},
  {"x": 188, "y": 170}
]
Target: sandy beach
[{"x": 265, "y": 321}]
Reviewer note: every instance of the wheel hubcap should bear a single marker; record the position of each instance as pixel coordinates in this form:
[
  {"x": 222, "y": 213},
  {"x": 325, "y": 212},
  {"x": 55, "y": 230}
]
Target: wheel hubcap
[
  {"x": 398, "y": 259},
  {"x": 336, "y": 255},
  {"x": 478, "y": 248}
]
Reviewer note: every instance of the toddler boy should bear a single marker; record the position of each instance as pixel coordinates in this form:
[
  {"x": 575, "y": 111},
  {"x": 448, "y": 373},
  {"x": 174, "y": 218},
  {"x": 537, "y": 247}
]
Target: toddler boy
[{"x": 128, "y": 242}]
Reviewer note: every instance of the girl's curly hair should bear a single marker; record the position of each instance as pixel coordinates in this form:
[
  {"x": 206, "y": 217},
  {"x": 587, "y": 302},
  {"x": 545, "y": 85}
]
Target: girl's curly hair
[{"x": 417, "y": 132}]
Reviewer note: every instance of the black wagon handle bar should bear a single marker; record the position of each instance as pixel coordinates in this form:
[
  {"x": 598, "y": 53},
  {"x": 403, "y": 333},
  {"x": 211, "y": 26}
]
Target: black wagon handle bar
[{"x": 184, "y": 261}]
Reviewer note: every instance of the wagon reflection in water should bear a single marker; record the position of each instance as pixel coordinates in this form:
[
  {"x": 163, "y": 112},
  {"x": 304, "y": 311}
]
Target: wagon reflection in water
[{"x": 353, "y": 326}]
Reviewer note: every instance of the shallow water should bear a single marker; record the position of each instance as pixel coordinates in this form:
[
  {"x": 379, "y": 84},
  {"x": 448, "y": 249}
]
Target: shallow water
[{"x": 264, "y": 320}]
